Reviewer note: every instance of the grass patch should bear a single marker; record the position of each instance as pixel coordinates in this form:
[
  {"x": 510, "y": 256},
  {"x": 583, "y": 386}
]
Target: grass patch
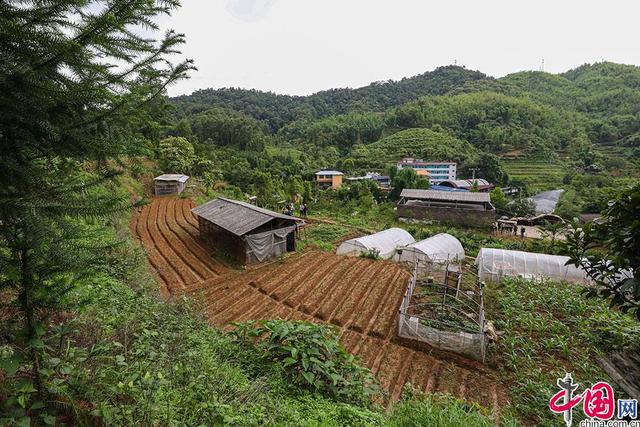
[
  {"x": 442, "y": 410},
  {"x": 323, "y": 236}
]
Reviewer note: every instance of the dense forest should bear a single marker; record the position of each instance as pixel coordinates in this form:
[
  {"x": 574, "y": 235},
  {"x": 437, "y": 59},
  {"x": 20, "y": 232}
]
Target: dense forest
[
  {"x": 278, "y": 110},
  {"x": 606, "y": 94}
]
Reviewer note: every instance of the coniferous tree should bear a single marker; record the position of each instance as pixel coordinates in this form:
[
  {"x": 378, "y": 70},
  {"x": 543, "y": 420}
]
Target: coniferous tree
[{"x": 76, "y": 77}]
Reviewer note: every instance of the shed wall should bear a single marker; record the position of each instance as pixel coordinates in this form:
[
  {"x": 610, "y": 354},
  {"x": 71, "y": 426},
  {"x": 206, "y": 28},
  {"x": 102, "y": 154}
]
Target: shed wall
[
  {"x": 451, "y": 215},
  {"x": 222, "y": 240},
  {"x": 164, "y": 188}
]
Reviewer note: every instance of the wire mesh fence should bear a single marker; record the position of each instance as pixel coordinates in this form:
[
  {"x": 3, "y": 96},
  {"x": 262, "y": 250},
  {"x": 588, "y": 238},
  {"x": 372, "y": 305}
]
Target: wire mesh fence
[{"x": 444, "y": 307}]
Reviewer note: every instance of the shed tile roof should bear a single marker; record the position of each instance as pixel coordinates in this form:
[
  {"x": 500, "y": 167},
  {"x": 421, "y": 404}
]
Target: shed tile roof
[
  {"x": 329, "y": 173},
  {"x": 171, "y": 177},
  {"x": 235, "y": 216},
  {"x": 455, "y": 196}
]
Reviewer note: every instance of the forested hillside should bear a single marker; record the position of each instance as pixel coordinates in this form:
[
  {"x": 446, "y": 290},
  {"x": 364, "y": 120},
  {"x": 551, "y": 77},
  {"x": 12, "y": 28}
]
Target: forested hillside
[
  {"x": 278, "y": 110},
  {"x": 606, "y": 97},
  {"x": 270, "y": 145}
]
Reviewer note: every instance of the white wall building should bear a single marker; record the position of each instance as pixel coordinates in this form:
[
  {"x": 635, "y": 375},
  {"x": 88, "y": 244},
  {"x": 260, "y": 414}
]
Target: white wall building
[{"x": 435, "y": 171}]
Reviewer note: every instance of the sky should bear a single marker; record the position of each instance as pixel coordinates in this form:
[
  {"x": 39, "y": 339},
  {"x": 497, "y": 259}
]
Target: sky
[{"x": 300, "y": 47}]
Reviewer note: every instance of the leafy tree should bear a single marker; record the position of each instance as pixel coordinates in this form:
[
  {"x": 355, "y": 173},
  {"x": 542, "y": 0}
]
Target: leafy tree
[
  {"x": 176, "y": 154},
  {"x": 569, "y": 206},
  {"x": 553, "y": 229},
  {"x": 609, "y": 249},
  {"x": 522, "y": 206},
  {"x": 228, "y": 128},
  {"x": 311, "y": 355},
  {"x": 491, "y": 169},
  {"x": 347, "y": 165},
  {"x": 406, "y": 178},
  {"x": 499, "y": 200},
  {"x": 76, "y": 78}
]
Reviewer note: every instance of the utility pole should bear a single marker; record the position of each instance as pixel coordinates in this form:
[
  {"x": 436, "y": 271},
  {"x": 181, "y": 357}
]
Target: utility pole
[{"x": 473, "y": 172}]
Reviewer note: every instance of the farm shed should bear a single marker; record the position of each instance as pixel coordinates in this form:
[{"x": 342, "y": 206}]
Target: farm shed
[
  {"x": 467, "y": 184},
  {"x": 441, "y": 247},
  {"x": 494, "y": 264},
  {"x": 466, "y": 208},
  {"x": 537, "y": 220},
  {"x": 246, "y": 232},
  {"x": 169, "y": 183},
  {"x": 385, "y": 242}
]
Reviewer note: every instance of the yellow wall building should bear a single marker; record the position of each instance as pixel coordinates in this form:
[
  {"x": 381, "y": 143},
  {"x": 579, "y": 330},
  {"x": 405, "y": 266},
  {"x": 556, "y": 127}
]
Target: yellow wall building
[{"x": 329, "y": 179}]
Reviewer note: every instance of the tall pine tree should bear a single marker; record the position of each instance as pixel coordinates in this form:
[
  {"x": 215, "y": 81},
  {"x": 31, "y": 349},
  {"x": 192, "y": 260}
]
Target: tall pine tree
[{"x": 75, "y": 79}]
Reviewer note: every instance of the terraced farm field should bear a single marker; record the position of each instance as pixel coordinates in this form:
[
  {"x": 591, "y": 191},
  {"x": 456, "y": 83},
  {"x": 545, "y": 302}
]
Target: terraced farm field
[
  {"x": 536, "y": 172},
  {"x": 360, "y": 297},
  {"x": 169, "y": 233}
]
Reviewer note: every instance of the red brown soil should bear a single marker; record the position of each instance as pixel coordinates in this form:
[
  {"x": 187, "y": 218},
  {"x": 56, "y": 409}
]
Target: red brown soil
[{"x": 360, "y": 297}]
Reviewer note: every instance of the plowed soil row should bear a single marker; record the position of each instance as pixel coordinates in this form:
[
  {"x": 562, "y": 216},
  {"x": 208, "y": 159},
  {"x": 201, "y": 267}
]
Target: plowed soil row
[
  {"x": 168, "y": 231},
  {"x": 360, "y": 297}
]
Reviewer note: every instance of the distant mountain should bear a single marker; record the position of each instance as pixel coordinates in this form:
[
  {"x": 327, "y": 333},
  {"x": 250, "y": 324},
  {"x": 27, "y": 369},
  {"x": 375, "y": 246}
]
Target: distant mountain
[
  {"x": 599, "y": 90},
  {"x": 597, "y": 103},
  {"x": 279, "y": 110}
]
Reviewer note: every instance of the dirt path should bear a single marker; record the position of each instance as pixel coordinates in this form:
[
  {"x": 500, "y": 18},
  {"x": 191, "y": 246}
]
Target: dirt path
[{"x": 360, "y": 297}]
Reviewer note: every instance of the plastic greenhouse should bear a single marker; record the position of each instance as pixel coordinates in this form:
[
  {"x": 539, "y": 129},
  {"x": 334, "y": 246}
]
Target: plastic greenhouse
[
  {"x": 385, "y": 243},
  {"x": 493, "y": 264},
  {"x": 441, "y": 247}
]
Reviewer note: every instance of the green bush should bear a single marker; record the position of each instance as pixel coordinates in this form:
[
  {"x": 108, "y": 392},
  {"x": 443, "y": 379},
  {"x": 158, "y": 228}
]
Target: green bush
[
  {"x": 311, "y": 355},
  {"x": 371, "y": 254},
  {"x": 324, "y": 235}
]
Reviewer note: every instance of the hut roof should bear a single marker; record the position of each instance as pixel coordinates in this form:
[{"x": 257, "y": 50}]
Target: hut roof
[
  {"x": 235, "y": 216},
  {"x": 456, "y": 196},
  {"x": 171, "y": 177}
]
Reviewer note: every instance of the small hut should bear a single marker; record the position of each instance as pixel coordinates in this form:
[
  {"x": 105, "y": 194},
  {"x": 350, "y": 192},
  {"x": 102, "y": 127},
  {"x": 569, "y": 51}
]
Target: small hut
[
  {"x": 169, "y": 183},
  {"x": 245, "y": 232}
]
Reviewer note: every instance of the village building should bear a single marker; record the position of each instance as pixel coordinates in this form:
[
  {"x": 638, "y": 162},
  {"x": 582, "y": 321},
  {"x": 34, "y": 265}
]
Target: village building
[
  {"x": 169, "y": 183},
  {"x": 436, "y": 172},
  {"x": 245, "y": 232},
  {"x": 459, "y": 207},
  {"x": 329, "y": 179},
  {"x": 482, "y": 185},
  {"x": 383, "y": 181},
  {"x": 509, "y": 191}
]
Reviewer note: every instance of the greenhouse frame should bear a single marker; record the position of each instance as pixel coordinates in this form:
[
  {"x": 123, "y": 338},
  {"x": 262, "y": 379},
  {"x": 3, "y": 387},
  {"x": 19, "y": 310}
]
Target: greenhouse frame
[
  {"x": 494, "y": 264},
  {"x": 384, "y": 243},
  {"x": 439, "y": 248}
]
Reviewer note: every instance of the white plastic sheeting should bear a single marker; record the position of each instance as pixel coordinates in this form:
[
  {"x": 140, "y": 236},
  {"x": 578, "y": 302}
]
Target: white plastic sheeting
[
  {"x": 385, "y": 242},
  {"x": 441, "y": 247},
  {"x": 493, "y": 264}
]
